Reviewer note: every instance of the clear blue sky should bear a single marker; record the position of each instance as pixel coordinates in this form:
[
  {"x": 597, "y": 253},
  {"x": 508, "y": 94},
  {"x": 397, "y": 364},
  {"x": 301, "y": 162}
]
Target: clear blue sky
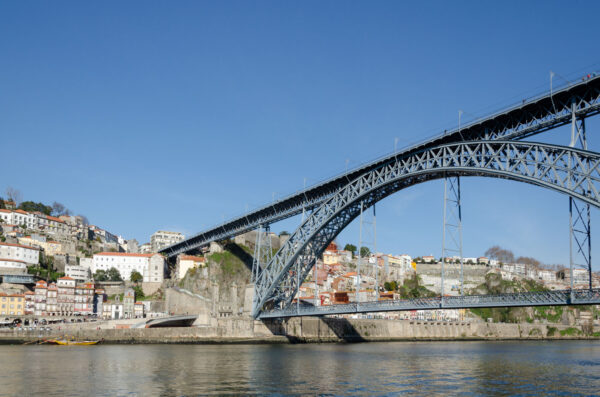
[{"x": 174, "y": 115}]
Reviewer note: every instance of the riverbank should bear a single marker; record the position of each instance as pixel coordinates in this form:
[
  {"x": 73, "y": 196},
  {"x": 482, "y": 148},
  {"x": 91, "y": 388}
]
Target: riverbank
[{"x": 313, "y": 330}]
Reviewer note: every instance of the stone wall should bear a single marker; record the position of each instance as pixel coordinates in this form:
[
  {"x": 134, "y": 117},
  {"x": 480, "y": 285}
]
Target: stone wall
[
  {"x": 183, "y": 302},
  {"x": 245, "y": 330},
  {"x": 339, "y": 329},
  {"x": 150, "y": 288}
]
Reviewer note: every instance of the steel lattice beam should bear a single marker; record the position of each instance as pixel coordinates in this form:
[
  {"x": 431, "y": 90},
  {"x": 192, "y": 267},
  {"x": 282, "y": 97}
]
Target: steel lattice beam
[
  {"x": 526, "y": 119},
  {"x": 570, "y": 171},
  {"x": 520, "y": 299}
]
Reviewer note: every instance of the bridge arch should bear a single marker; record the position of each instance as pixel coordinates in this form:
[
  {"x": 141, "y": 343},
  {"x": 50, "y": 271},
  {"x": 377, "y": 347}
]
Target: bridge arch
[{"x": 563, "y": 169}]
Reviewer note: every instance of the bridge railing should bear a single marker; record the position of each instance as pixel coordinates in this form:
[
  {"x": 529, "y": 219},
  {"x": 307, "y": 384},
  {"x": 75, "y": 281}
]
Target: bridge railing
[{"x": 538, "y": 298}]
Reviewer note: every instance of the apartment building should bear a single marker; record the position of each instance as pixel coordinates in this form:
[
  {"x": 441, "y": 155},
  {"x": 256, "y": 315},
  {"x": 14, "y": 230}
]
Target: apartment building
[
  {"x": 151, "y": 266},
  {"x": 162, "y": 239},
  {"x": 19, "y": 252}
]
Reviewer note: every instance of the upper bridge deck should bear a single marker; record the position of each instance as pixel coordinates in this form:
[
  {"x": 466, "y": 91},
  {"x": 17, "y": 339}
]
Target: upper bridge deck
[{"x": 533, "y": 116}]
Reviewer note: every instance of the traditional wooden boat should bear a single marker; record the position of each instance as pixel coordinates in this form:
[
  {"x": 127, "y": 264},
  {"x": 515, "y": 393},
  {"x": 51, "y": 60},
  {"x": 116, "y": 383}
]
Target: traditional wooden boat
[{"x": 65, "y": 342}]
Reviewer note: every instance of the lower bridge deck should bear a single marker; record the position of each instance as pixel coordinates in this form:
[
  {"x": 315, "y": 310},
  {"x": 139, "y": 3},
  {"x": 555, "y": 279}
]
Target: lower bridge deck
[{"x": 519, "y": 299}]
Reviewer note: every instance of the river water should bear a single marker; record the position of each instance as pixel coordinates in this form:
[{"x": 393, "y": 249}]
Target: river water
[{"x": 419, "y": 368}]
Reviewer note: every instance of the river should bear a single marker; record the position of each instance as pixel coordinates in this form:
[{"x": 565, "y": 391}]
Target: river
[{"x": 410, "y": 368}]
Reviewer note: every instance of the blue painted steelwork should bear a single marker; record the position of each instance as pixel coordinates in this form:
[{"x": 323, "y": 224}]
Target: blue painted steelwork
[
  {"x": 563, "y": 169},
  {"x": 528, "y": 118},
  {"x": 18, "y": 278},
  {"x": 546, "y": 298}
]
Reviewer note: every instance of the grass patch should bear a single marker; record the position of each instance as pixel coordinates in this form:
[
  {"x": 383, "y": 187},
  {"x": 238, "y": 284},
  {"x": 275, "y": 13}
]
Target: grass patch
[
  {"x": 552, "y": 331},
  {"x": 230, "y": 265},
  {"x": 570, "y": 332},
  {"x": 534, "y": 332}
]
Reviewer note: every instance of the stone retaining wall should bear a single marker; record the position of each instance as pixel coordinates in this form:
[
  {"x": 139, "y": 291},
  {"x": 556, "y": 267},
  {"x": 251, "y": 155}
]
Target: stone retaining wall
[{"x": 306, "y": 329}]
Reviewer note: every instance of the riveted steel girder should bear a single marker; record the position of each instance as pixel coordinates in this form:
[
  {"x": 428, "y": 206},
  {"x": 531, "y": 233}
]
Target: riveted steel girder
[
  {"x": 570, "y": 171},
  {"x": 519, "y": 299},
  {"x": 528, "y": 118}
]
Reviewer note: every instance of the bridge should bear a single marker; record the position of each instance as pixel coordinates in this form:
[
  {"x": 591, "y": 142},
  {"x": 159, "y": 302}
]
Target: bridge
[{"x": 493, "y": 146}]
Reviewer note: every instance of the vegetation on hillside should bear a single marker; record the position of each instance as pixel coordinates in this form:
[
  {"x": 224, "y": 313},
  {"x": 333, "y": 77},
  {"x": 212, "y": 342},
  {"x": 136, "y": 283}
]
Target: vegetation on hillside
[
  {"x": 112, "y": 274},
  {"x": 411, "y": 288}
]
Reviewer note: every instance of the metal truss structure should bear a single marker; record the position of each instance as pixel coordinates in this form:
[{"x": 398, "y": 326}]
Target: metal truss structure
[
  {"x": 567, "y": 170},
  {"x": 546, "y": 298},
  {"x": 528, "y": 118},
  {"x": 263, "y": 251},
  {"x": 452, "y": 226},
  {"x": 580, "y": 231}
]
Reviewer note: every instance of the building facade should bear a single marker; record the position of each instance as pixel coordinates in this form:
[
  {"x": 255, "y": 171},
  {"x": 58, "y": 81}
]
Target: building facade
[
  {"x": 78, "y": 273},
  {"x": 66, "y": 296},
  {"x": 150, "y": 266},
  {"x": 29, "y": 255},
  {"x": 12, "y": 304},
  {"x": 162, "y": 239},
  {"x": 187, "y": 262}
]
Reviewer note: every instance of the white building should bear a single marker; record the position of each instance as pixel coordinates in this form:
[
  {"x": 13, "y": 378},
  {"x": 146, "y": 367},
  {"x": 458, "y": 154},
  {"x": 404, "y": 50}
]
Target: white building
[
  {"x": 397, "y": 266},
  {"x": 78, "y": 273},
  {"x": 162, "y": 239},
  {"x": 51, "y": 224},
  {"x": 150, "y": 266},
  {"x": 29, "y": 255},
  {"x": 86, "y": 262},
  {"x": 12, "y": 264},
  {"x": 18, "y": 217},
  {"x": 580, "y": 276},
  {"x": 532, "y": 273},
  {"x": 187, "y": 262},
  {"x": 548, "y": 276}
]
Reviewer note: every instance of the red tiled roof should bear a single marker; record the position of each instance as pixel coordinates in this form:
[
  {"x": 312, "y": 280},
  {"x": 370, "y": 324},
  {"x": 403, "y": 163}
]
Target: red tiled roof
[
  {"x": 192, "y": 258},
  {"x": 65, "y": 278},
  {"x": 125, "y": 254},
  {"x": 11, "y": 260},
  {"x": 20, "y": 245}
]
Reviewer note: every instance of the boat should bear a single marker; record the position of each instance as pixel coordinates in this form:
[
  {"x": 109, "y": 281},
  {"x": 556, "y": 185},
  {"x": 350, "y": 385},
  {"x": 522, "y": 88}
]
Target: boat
[{"x": 65, "y": 342}]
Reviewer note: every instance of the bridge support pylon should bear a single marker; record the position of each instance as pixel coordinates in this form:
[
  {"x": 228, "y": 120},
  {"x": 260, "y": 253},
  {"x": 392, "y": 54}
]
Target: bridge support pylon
[
  {"x": 580, "y": 231},
  {"x": 263, "y": 251},
  {"x": 452, "y": 243}
]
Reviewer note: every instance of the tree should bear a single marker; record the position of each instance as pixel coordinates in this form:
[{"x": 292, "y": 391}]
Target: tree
[
  {"x": 284, "y": 233},
  {"x": 390, "y": 286},
  {"x": 364, "y": 251},
  {"x": 31, "y": 206},
  {"x": 14, "y": 195},
  {"x": 139, "y": 292},
  {"x": 136, "y": 277},
  {"x": 528, "y": 261},
  {"x": 114, "y": 275},
  {"x": 84, "y": 219},
  {"x": 100, "y": 275},
  {"x": 58, "y": 209},
  {"x": 351, "y": 248},
  {"x": 500, "y": 254}
]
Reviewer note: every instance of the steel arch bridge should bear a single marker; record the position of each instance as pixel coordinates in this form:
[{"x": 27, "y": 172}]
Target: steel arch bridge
[
  {"x": 563, "y": 169},
  {"x": 489, "y": 147}
]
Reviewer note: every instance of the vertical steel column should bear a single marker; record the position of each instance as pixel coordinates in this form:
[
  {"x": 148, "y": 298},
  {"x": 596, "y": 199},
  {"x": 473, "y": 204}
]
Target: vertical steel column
[
  {"x": 452, "y": 226},
  {"x": 262, "y": 251},
  {"x": 375, "y": 252},
  {"x": 256, "y": 257},
  {"x": 580, "y": 224},
  {"x": 359, "y": 253}
]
